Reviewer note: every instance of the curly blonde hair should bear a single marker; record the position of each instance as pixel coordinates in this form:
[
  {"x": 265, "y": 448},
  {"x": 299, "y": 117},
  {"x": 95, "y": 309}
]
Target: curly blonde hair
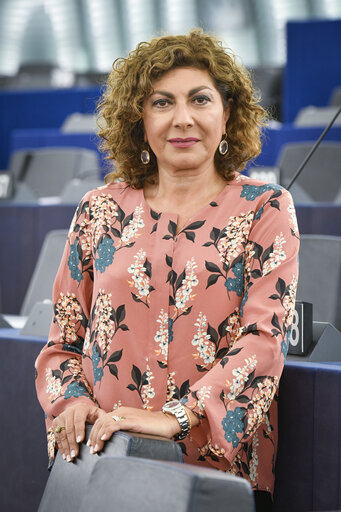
[{"x": 131, "y": 81}]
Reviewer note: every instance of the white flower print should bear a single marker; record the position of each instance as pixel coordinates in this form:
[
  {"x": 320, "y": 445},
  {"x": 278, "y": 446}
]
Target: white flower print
[
  {"x": 147, "y": 391},
  {"x": 205, "y": 347},
  {"x": 254, "y": 458},
  {"x": 184, "y": 293},
  {"x": 236, "y": 234},
  {"x": 68, "y": 313},
  {"x": 161, "y": 336},
  {"x": 131, "y": 230},
  {"x": 54, "y": 386},
  {"x": 241, "y": 375},
  {"x": 261, "y": 402},
  {"x": 203, "y": 394},
  {"x": 277, "y": 256},
  {"x": 104, "y": 325},
  {"x": 103, "y": 209},
  {"x": 171, "y": 387},
  {"x": 293, "y": 219},
  {"x": 289, "y": 303},
  {"x": 139, "y": 277},
  {"x": 233, "y": 327}
]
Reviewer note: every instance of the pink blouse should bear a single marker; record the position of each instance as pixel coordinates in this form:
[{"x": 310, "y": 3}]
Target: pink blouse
[{"x": 143, "y": 315}]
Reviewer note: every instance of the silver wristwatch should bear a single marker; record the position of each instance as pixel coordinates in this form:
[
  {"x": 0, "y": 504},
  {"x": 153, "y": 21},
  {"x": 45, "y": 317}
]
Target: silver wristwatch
[{"x": 178, "y": 410}]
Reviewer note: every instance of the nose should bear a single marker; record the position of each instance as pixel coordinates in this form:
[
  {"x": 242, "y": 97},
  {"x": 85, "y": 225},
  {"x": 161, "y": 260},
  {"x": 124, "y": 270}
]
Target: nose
[{"x": 182, "y": 116}]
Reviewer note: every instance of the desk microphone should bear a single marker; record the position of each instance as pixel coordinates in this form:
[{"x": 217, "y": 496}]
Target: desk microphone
[{"x": 313, "y": 149}]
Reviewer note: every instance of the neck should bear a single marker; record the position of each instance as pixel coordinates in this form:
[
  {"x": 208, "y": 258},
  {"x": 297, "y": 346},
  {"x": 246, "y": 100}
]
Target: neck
[{"x": 180, "y": 188}]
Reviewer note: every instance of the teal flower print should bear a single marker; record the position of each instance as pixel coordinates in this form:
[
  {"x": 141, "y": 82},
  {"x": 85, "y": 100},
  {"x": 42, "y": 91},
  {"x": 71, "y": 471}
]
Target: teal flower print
[
  {"x": 251, "y": 192},
  {"x": 259, "y": 213},
  {"x": 105, "y": 251},
  {"x": 75, "y": 389},
  {"x": 170, "y": 329},
  {"x": 233, "y": 423},
  {"x": 236, "y": 285},
  {"x": 285, "y": 344},
  {"x": 73, "y": 263},
  {"x": 246, "y": 296},
  {"x": 98, "y": 372}
]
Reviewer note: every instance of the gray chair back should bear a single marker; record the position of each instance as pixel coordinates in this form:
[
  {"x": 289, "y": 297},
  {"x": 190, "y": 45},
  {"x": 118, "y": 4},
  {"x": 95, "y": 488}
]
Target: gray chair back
[
  {"x": 75, "y": 189},
  {"x": 41, "y": 282},
  {"x": 128, "y": 484},
  {"x": 316, "y": 116},
  {"x": 335, "y": 98},
  {"x": 46, "y": 170},
  {"x": 319, "y": 279},
  {"x": 68, "y": 482},
  {"x": 321, "y": 177}
]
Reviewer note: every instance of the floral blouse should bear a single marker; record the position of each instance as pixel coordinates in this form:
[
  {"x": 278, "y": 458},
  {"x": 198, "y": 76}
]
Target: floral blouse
[{"x": 143, "y": 315}]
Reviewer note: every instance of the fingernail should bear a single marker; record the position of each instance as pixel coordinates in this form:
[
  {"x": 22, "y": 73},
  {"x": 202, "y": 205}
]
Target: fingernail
[
  {"x": 63, "y": 455},
  {"x": 73, "y": 454},
  {"x": 88, "y": 443},
  {"x": 92, "y": 450},
  {"x": 68, "y": 458},
  {"x": 104, "y": 436},
  {"x": 96, "y": 448},
  {"x": 79, "y": 438}
]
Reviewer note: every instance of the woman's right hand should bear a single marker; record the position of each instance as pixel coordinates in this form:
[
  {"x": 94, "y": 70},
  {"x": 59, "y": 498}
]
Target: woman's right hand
[{"x": 69, "y": 427}]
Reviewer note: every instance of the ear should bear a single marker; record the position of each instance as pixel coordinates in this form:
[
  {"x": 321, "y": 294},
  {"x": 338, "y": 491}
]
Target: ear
[{"x": 227, "y": 113}]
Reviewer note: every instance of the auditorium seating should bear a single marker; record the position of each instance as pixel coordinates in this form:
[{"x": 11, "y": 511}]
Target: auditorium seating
[
  {"x": 335, "y": 97},
  {"x": 317, "y": 116},
  {"x": 41, "y": 282},
  {"x": 319, "y": 279},
  {"x": 321, "y": 177},
  {"x": 46, "y": 170},
  {"x": 129, "y": 485},
  {"x": 75, "y": 189},
  {"x": 309, "y": 455},
  {"x": 79, "y": 123}
]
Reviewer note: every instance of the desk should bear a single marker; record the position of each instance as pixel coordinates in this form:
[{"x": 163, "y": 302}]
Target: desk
[
  {"x": 22, "y": 232},
  {"x": 309, "y": 454},
  {"x": 23, "y": 461}
]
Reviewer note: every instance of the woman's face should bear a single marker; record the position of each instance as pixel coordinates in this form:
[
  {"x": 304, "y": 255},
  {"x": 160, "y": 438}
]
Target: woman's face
[{"x": 184, "y": 120}]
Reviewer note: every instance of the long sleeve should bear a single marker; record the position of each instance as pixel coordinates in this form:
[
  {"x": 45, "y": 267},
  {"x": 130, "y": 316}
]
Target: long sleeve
[
  {"x": 234, "y": 397},
  {"x": 60, "y": 379}
]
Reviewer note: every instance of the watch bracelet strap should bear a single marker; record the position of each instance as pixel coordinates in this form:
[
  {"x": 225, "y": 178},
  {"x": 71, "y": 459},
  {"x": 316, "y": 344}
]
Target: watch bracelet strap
[
  {"x": 184, "y": 431},
  {"x": 189, "y": 419}
]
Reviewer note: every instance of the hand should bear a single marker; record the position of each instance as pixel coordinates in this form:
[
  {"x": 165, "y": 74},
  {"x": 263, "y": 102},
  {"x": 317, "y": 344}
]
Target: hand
[
  {"x": 72, "y": 421},
  {"x": 134, "y": 420}
]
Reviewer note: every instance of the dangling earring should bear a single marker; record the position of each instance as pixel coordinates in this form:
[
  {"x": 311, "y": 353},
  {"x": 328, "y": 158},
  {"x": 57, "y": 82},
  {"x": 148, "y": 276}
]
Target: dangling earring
[
  {"x": 145, "y": 156},
  {"x": 223, "y": 146}
]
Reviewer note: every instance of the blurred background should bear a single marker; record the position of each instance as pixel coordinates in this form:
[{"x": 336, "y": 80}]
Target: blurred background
[{"x": 60, "y": 43}]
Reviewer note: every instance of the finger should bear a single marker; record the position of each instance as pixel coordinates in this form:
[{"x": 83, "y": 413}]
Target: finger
[
  {"x": 104, "y": 430},
  {"x": 80, "y": 417},
  {"x": 60, "y": 435},
  {"x": 71, "y": 436}
]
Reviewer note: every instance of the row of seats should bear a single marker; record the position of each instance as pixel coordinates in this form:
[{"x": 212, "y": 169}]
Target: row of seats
[
  {"x": 319, "y": 277},
  {"x": 70, "y": 172},
  {"x": 51, "y": 172},
  {"x": 320, "y": 181}
]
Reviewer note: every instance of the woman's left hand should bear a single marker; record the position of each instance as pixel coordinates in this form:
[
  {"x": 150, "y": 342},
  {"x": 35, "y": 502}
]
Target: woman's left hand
[{"x": 134, "y": 420}]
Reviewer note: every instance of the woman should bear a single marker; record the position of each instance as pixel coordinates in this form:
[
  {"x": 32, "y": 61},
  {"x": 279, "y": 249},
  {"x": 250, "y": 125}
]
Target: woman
[{"x": 175, "y": 294}]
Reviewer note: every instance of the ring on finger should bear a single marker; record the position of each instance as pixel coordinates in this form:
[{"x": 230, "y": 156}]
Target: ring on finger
[
  {"x": 117, "y": 418},
  {"x": 59, "y": 428}
]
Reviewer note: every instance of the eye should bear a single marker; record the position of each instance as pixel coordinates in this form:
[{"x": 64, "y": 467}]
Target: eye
[
  {"x": 161, "y": 103},
  {"x": 201, "y": 100}
]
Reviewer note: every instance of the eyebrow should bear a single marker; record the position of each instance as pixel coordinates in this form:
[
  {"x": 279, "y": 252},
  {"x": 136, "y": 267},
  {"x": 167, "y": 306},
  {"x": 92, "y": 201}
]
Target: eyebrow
[{"x": 190, "y": 93}]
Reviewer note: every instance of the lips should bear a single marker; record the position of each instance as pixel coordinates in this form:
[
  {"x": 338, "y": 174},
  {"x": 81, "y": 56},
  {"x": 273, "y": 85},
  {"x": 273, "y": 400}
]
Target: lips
[{"x": 178, "y": 142}]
